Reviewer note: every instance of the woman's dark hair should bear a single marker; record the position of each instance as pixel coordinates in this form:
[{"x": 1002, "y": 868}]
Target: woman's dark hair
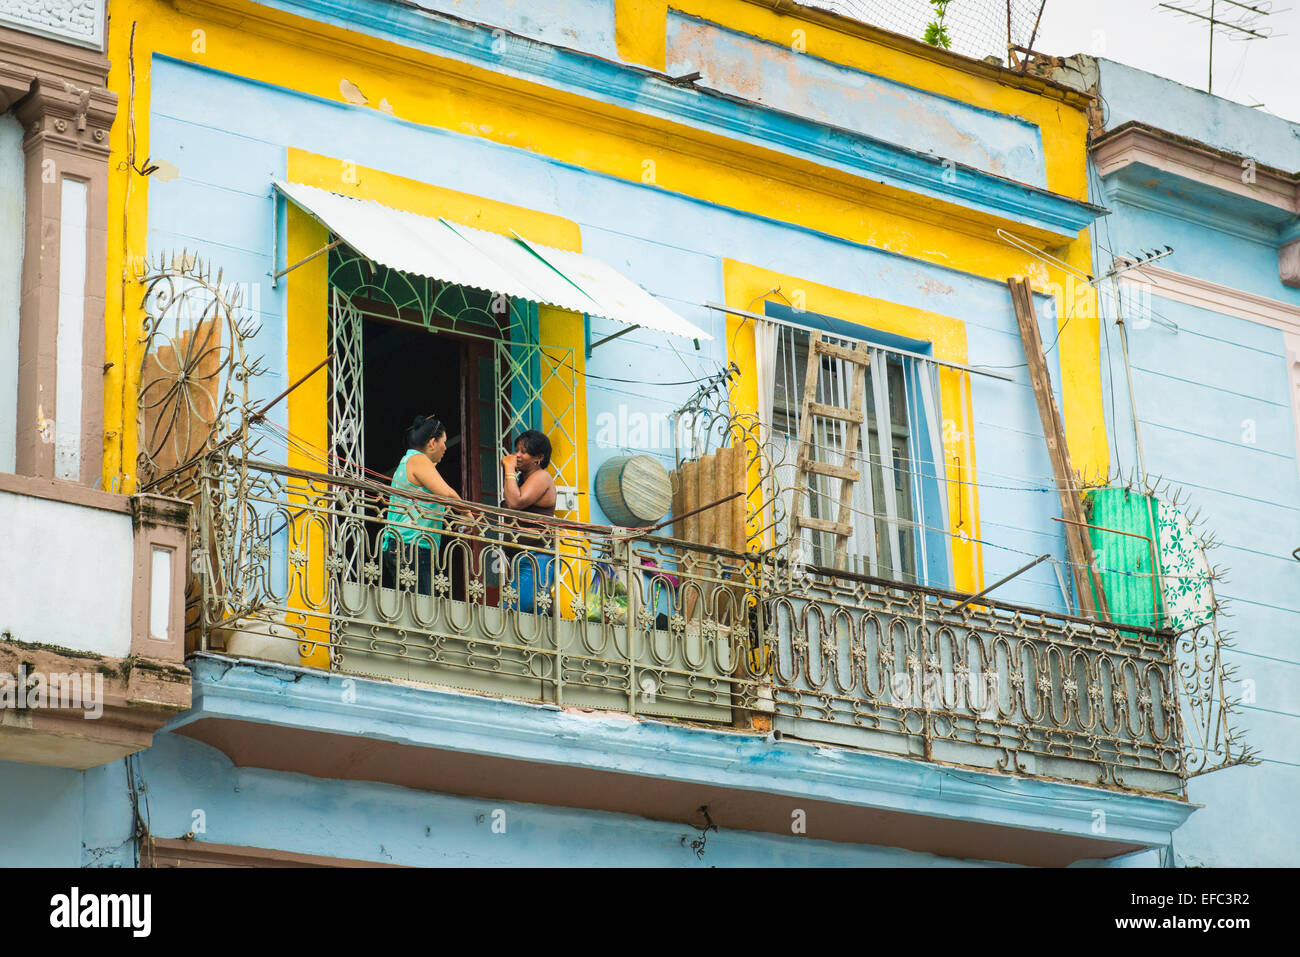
[
  {"x": 423, "y": 429},
  {"x": 535, "y": 443}
]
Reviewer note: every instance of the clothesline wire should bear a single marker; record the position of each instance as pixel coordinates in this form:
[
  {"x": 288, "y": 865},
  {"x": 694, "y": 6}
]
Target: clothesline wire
[
  {"x": 283, "y": 438},
  {"x": 286, "y": 439},
  {"x": 295, "y": 443},
  {"x": 876, "y": 459},
  {"x": 970, "y": 538}
]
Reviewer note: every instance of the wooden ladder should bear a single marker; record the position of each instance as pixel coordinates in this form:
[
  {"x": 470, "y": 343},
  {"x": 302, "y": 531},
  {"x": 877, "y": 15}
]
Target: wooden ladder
[{"x": 855, "y": 418}]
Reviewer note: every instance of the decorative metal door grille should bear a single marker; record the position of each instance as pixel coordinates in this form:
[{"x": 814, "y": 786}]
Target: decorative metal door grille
[
  {"x": 536, "y": 385},
  {"x": 537, "y": 389},
  {"x": 347, "y": 378},
  {"x": 346, "y": 449}
]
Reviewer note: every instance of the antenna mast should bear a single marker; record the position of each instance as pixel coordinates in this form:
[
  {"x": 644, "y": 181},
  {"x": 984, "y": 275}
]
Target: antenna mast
[{"x": 1242, "y": 21}]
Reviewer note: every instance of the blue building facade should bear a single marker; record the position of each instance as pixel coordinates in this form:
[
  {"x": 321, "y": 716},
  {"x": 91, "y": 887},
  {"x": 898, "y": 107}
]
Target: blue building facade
[
  {"x": 773, "y": 179},
  {"x": 1212, "y": 350}
]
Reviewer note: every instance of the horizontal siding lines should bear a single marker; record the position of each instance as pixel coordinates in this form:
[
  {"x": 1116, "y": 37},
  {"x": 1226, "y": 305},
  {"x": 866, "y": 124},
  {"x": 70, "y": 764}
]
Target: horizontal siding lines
[
  {"x": 1280, "y": 456},
  {"x": 1238, "y": 650},
  {"x": 208, "y": 129},
  {"x": 1242, "y": 600},
  {"x": 205, "y": 245},
  {"x": 1228, "y": 544},
  {"x": 1220, "y": 341},
  {"x": 1196, "y": 313},
  {"x": 1187, "y": 484},
  {"x": 1201, "y": 383}
]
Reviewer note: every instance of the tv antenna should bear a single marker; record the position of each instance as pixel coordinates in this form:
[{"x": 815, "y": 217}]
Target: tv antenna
[{"x": 1240, "y": 21}]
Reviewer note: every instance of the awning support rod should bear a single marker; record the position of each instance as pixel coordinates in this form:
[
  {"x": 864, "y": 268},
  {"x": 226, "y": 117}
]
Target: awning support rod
[
  {"x": 306, "y": 259},
  {"x": 621, "y": 332}
]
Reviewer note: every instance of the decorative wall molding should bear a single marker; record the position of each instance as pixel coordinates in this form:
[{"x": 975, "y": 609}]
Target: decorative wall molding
[
  {"x": 955, "y": 191},
  {"x": 72, "y": 21},
  {"x": 57, "y": 93},
  {"x": 1288, "y": 263},
  {"x": 1219, "y": 298},
  {"x": 1237, "y": 175},
  {"x": 161, "y": 529},
  {"x": 1133, "y": 143},
  {"x": 172, "y": 852},
  {"x": 1119, "y": 191}
]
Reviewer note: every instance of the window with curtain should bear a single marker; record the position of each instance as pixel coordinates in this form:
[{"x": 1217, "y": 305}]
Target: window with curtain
[{"x": 897, "y": 506}]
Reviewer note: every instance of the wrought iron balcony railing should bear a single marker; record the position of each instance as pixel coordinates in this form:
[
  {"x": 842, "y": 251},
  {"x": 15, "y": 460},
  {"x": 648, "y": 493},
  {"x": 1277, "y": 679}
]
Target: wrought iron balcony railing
[{"x": 497, "y": 603}]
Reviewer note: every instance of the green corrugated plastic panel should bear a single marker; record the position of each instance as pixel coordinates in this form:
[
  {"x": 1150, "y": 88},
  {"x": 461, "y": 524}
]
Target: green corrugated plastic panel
[{"x": 1124, "y": 562}]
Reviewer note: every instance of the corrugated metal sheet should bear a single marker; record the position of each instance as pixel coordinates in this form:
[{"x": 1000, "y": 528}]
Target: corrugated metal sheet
[
  {"x": 511, "y": 265},
  {"x": 1124, "y": 562}
]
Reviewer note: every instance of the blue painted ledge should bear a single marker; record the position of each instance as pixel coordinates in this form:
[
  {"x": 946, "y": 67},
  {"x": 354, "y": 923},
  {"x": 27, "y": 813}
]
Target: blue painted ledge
[
  {"x": 313, "y": 700},
  {"x": 647, "y": 91}
]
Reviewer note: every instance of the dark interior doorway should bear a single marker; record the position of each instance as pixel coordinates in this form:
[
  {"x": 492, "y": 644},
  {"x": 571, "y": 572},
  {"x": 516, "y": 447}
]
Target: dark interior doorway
[{"x": 411, "y": 371}]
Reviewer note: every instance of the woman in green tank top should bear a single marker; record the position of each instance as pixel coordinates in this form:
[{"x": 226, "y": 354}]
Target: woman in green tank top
[{"x": 415, "y": 527}]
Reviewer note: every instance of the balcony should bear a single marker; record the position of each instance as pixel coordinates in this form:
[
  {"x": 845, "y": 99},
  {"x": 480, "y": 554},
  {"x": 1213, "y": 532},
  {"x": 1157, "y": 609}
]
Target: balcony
[{"x": 288, "y": 567}]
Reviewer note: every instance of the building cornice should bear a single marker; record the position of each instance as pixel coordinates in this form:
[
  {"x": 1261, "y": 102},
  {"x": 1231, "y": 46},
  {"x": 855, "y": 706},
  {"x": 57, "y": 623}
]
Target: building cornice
[
  {"x": 312, "y": 700},
  {"x": 1140, "y": 197},
  {"x": 71, "y": 120},
  {"x": 782, "y": 145},
  {"x": 1038, "y": 85},
  {"x": 24, "y": 54},
  {"x": 1227, "y": 172},
  {"x": 137, "y": 696}
]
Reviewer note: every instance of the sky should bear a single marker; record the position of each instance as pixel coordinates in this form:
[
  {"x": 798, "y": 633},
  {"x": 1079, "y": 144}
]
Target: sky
[
  {"x": 1138, "y": 33},
  {"x": 1142, "y": 35}
]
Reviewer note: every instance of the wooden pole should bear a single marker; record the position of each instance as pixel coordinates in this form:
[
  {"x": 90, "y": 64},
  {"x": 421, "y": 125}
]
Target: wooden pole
[{"x": 1078, "y": 545}]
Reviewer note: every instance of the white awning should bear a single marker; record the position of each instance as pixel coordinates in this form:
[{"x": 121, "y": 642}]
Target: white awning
[{"x": 511, "y": 265}]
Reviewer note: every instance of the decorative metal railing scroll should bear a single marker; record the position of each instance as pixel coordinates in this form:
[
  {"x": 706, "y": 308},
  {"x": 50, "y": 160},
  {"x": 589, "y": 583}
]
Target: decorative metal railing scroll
[
  {"x": 195, "y": 371},
  {"x": 709, "y": 420},
  {"x": 657, "y": 626}
]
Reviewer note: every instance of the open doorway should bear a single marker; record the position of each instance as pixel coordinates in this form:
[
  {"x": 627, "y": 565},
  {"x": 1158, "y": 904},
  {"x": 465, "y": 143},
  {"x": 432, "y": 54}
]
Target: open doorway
[{"x": 412, "y": 370}]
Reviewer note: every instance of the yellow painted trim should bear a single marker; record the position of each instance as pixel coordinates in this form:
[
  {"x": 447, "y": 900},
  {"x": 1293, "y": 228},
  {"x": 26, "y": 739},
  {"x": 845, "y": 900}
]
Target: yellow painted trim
[
  {"x": 847, "y": 26},
  {"x": 746, "y": 286},
  {"x": 560, "y": 327},
  {"x": 639, "y": 28},
  {"x": 1060, "y": 115},
  {"x": 436, "y": 92},
  {"x": 307, "y": 343},
  {"x": 427, "y": 199}
]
